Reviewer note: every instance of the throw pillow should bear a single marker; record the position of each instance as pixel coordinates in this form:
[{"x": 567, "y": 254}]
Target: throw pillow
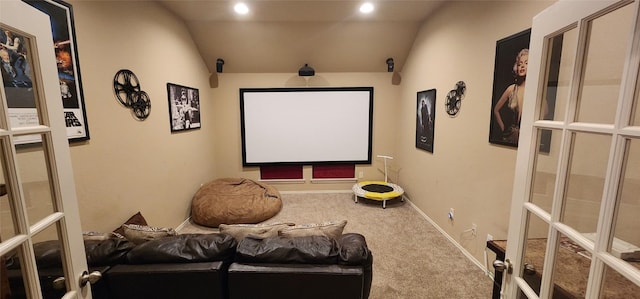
[
  {"x": 137, "y": 218},
  {"x": 95, "y": 236},
  {"x": 331, "y": 229},
  {"x": 139, "y": 234},
  {"x": 260, "y": 231}
]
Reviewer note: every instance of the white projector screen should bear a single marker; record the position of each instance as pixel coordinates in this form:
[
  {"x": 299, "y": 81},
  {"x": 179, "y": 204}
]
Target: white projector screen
[{"x": 306, "y": 125}]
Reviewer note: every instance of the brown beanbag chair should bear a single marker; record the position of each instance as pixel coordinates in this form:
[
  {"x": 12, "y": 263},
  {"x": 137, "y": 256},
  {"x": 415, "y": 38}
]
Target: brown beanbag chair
[{"x": 234, "y": 201}]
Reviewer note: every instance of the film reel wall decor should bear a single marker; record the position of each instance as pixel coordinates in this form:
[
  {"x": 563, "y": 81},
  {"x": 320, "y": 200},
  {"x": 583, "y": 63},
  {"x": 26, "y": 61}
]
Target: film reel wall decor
[
  {"x": 127, "y": 89},
  {"x": 454, "y": 98}
]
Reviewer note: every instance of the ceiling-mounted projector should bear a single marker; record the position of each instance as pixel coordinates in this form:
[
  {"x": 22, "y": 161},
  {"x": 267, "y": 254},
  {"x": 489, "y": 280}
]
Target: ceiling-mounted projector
[{"x": 306, "y": 71}]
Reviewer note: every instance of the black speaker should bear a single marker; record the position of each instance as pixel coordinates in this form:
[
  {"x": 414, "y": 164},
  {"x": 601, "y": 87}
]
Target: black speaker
[
  {"x": 306, "y": 71},
  {"x": 390, "y": 65},
  {"x": 219, "y": 64}
]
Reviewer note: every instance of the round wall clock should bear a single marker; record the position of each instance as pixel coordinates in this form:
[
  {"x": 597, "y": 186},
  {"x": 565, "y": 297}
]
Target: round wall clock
[{"x": 454, "y": 98}]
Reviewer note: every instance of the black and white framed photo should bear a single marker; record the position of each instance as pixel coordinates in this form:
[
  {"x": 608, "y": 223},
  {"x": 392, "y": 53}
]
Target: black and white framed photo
[
  {"x": 66, "y": 53},
  {"x": 509, "y": 81},
  {"x": 184, "y": 107},
  {"x": 425, "y": 119}
]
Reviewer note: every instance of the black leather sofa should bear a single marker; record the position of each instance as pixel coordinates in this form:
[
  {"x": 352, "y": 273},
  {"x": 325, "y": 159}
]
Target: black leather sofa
[
  {"x": 217, "y": 266},
  {"x": 301, "y": 267}
]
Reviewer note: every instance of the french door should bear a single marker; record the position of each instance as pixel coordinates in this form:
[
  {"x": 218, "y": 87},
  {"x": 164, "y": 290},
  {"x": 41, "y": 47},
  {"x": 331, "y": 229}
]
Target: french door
[
  {"x": 574, "y": 229},
  {"x": 38, "y": 200}
]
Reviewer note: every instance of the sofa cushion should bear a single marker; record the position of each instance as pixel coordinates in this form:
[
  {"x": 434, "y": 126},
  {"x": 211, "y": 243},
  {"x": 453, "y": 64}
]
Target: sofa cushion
[
  {"x": 99, "y": 253},
  {"x": 239, "y": 231},
  {"x": 353, "y": 249},
  {"x": 331, "y": 229},
  {"x": 190, "y": 248},
  {"x": 107, "y": 252},
  {"x": 287, "y": 250},
  {"x": 141, "y": 233}
]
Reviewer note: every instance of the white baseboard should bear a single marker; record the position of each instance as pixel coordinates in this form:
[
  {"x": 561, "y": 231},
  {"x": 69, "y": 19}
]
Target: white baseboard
[
  {"x": 451, "y": 239},
  {"x": 183, "y": 224},
  {"x": 316, "y": 191}
]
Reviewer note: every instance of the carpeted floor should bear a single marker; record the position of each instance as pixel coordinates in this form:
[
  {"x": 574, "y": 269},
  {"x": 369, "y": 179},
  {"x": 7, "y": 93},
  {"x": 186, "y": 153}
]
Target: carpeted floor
[{"x": 412, "y": 259}]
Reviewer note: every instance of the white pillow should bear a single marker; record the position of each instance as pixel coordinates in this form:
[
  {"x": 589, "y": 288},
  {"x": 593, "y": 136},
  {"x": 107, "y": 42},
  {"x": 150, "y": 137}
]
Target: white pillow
[
  {"x": 141, "y": 233},
  {"x": 331, "y": 229}
]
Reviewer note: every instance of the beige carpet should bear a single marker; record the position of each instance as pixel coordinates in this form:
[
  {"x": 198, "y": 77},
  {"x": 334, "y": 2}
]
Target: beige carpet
[{"x": 411, "y": 258}]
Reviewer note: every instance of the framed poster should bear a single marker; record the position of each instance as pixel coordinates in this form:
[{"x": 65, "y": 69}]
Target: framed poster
[
  {"x": 509, "y": 81},
  {"x": 184, "y": 107},
  {"x": 66, "y": 55},
  {"x": 425, "y": 119},
  {"x": 16, "y": 61}
]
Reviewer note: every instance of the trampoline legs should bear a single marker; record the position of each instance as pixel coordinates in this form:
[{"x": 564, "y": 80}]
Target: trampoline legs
[
  {"x": 355, "y": 198},
  {"x": 384, "y": 204}
]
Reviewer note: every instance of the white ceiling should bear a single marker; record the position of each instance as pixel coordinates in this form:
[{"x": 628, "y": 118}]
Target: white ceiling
[{"x": 281, "y": 36}]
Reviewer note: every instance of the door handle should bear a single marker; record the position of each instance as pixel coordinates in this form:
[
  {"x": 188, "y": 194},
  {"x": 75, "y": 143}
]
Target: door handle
[
  {"x": 501, "y": 266},
  {"x": 91, "y": 278}
]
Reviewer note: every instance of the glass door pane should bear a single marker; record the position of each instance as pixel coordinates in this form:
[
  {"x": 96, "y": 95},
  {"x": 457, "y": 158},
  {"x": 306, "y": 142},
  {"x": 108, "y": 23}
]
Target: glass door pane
[
  {"x": 616, "y": 286},
  {"x": 534, "y": 251},
  {"x": 545, "y": 169},
  {"x": 605, "y": 58},
  {"x": 585, "y": 182},
  {"x": 7, "y": 220},
  {"x": 571, "y": 269},
  {"x": 32, "y": 162},
  {"x": 626, "y": 237},
  {"x": 561, "y": 59}
]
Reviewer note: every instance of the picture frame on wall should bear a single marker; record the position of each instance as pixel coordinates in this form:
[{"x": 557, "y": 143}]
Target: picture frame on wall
[
  {"x": 509, "y": 81},
  {"x": 66, "y": 55},
  {"x": 425, "y": 119},
  {"x": 184, "y": 107},
  {"x": 16, "y": 59}
]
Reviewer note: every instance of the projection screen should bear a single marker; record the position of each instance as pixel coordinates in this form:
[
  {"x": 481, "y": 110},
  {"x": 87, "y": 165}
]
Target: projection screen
[{"x": 306, "y": 125}]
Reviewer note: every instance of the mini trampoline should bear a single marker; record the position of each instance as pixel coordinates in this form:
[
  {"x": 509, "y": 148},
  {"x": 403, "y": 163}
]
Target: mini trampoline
[{"x": 378, "y": 190}]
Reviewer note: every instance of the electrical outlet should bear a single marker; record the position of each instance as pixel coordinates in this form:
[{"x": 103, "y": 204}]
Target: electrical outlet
[
  {"x": 361, "y": 174},
  {"x": 489, "y": 237}
]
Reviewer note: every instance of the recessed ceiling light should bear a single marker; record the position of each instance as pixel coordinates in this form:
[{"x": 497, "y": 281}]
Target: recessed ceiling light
[
  {"x": 241, "y": 8},
  {"x": 366, "y": 7}
]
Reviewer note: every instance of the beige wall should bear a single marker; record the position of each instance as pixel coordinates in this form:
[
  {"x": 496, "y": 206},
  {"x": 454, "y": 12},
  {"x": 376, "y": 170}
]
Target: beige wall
[
  {"x": 130, "y": 165},
  {"x": 465, "y": 171},
  {"x": 226, "y": 122}
]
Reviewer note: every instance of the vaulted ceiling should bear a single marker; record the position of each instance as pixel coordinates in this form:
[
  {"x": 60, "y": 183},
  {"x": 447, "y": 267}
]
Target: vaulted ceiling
[{"x": 281, "y": 36}]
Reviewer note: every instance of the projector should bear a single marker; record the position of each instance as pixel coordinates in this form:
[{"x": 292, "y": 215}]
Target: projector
[{"x": 306, "y": 71}]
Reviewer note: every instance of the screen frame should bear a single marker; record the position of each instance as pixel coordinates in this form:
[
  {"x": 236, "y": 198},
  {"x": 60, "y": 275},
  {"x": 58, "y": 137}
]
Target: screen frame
[{"x": 369, "y": 137}]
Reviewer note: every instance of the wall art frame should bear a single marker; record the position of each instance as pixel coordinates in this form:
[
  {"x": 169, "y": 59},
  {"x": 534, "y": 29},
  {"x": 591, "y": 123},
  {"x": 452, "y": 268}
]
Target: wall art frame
[
  {"x": 508, "y": 88},
  {"x": 17, "y": 54},
  {"x": 66, "y": 55},
  {"x": 425, "y": 119},
  {"x": 184, "y": 107}
]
